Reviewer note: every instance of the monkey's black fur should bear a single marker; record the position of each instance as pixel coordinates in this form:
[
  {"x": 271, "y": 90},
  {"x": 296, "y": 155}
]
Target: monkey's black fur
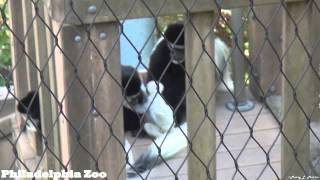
[
  {"x": 34, "y": 109},
  {"x": 132, "y": 86},
  {"x": 30, "y": 105},
  {"x": 171, "y": 75}
]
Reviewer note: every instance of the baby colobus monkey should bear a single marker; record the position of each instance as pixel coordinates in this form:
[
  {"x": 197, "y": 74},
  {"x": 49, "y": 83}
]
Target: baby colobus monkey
[
  {"x": 135, "y": 94},
  {"x": 146, "y": 102}
]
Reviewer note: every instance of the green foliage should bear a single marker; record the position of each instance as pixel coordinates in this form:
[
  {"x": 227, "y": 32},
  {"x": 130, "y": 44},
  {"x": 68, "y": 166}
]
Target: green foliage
[
  {"x": 5, "y": 56},
  {"x": 163, "y": 21},
  {"x": 5, "y": 53}
]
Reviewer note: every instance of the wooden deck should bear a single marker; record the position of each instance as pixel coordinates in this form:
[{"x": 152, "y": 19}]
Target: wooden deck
[
  {"x": 249, "y": 155},
  {"x": 252, "y": 161}
]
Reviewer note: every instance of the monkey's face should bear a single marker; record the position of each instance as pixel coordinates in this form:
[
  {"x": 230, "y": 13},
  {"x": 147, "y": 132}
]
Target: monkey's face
[
  {"x": 137, "y": 99},
  {"x": 174, "y": 36},
  {"x": 176, "y": 53},
  {"x": 30, "y": 108},
  {"x": 134, "y": 91}
]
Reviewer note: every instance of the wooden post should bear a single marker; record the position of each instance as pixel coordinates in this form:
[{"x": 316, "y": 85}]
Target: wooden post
[
  {"x": 71, "y": 13},
  {"x": 48, "y": 104},
  {"x": 316, "y": 61},
  {"x": 27, "y": 8},
  {"x": 295, "y": 129},
  {"x": 108, "y": 100},
  {"x": 87, "y": 142},
  {"x": 75, "y": 82},
  {"x": 19, "y": 66},
  {"x": 315, "y": 126},
  {"x": 201, "y": 163},
  {"x": 18, "y": 58},
  {"x": 24, "y": 73},
  {"x": 31, "y": 66},
  {"x": 266, "y": 60}
]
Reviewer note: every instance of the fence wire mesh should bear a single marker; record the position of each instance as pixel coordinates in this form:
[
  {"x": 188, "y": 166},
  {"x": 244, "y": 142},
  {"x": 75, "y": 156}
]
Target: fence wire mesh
[{"x": 224, "y": 93}]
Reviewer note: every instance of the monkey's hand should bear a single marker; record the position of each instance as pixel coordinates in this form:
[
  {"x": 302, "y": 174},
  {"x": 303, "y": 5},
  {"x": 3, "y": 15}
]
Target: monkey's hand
[
  {"x": 152, "y": 130},
  {"x": 160, "y": 112}
]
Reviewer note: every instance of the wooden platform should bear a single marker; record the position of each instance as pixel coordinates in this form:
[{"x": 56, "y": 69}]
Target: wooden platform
[{"x": 250, "y": 156}]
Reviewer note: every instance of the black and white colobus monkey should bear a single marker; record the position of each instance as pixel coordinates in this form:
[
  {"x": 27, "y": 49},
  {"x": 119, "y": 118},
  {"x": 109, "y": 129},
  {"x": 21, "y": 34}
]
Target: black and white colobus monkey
[
  {"x": 30, "y": 105},
  {"x": 167, "y": 66},
  {"x": 131, "y": 84}
]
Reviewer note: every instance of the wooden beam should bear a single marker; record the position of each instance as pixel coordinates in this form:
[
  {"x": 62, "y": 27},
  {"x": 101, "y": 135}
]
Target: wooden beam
[
  {"x": 264, "y": 57},
  {"x": 229, "y": 4},
  {"x": 74, "y": 83},
  {"x": 19, "y": 65},
  {"x": 7, "y": 155},
  {"x": 201, "y": 117},
  {"x": 316, "y": 61},
  {"x": 46, "y": 77},
  {"x": 298, "y": 92},
  {"x": 78, "y": 14},
  {"x": 28, "y": 25},
  {"x": 106, "y": 66},
  {"x": 83, "y": 85},
  {"x": 31, "y": 65},
  {"x": 17, "y": 54},
  {"x": 6, "y": 126}
]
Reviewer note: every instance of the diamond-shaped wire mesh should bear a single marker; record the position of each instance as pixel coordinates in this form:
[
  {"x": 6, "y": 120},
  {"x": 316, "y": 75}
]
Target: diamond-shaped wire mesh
[{"x": 236, "y": 92}]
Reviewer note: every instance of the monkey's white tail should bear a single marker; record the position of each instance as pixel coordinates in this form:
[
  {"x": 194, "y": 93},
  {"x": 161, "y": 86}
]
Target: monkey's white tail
[
  {"x": 167, "y": 145},
  {"x": 221, "y": 56}
]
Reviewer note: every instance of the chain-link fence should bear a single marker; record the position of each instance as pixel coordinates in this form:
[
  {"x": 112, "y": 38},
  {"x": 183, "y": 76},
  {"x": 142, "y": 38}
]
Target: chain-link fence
[{"x": 228, "y": 90}]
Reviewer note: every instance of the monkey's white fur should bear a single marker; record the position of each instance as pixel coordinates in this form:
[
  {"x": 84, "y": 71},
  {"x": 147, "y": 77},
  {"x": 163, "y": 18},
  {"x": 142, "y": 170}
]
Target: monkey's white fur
[
  {"x": 158, "y": 112},
  {"x": 172, "y": 140}
]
